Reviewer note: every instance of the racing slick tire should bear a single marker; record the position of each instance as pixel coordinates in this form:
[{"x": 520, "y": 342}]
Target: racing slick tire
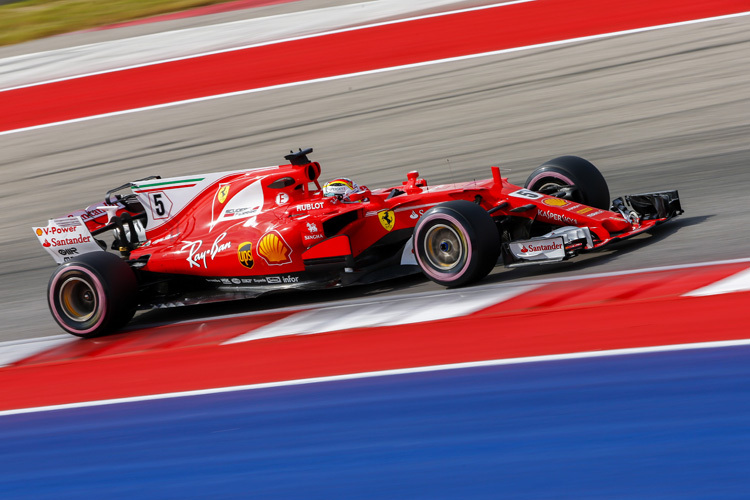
[
  {"x": 456, "y": 243},
  {"x": 93, "y": 294},
  {"x": 591, "y": 188}
]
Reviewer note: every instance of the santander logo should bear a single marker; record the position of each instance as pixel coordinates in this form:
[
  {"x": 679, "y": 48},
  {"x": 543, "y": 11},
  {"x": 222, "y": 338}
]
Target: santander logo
[
  {"x": 62, "y": 242},
  {"x": 541, "y": 248}
]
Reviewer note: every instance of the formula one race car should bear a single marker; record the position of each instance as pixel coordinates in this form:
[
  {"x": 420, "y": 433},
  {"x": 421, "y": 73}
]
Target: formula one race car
[{"x": 198, "y": 238}]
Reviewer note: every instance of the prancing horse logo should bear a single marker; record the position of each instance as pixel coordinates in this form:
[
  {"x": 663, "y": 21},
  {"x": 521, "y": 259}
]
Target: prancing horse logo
[
  {"x": 387, "y": 219},
  {"x": 223, "y": 192}
]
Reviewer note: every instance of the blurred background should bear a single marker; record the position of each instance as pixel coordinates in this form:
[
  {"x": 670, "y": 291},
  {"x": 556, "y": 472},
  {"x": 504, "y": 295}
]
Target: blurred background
[{"x": 666, "y": 106}]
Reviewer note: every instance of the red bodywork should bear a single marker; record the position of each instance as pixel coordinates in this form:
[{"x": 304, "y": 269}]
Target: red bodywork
[{"x": 296, "y": 226}]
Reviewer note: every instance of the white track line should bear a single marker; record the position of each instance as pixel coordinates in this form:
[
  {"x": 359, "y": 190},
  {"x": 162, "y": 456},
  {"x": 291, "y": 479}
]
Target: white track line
[
  {"x": 172, "y": 38},
  {"x": 377, "y": 71},
  {"x": 15, "y": 350},
  {"x": 383, "y": 373},
  {"x": 739, "y": 282},
  {"x": 395, "y": 311}
]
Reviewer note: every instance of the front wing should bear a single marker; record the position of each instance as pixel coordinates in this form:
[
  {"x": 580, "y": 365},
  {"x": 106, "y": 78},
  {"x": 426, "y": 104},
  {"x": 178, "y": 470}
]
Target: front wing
[{"x": 644, "y": 211}]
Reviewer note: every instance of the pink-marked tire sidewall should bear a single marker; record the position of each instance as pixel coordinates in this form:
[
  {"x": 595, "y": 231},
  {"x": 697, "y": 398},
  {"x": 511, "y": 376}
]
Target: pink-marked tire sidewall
[
  {"x": 591, "y": 187},
  {"x": 93, "y": 294},
  {"x": 456, "y": 243}
]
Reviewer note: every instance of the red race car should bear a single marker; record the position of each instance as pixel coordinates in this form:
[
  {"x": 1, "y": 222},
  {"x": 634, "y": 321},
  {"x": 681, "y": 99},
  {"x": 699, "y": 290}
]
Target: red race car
[{"x": 238, "y": 234}]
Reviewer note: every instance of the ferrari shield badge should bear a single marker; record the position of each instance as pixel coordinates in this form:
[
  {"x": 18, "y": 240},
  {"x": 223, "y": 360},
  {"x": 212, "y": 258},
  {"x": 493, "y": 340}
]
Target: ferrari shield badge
[
  {"x": 223, "y": 192},
  {"x": 387, "y": 219}
]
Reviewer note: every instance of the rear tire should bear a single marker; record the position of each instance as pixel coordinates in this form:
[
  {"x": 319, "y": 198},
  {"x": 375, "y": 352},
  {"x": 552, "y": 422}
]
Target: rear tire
[
  {"x": 456, "y": 243},
  {"x": 590, "y": 187},
  {"x": 93, "y": 294}
]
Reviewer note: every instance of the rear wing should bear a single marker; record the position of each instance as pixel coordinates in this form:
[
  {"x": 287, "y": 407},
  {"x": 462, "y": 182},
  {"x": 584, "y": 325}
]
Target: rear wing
[{"x": 66, "y": 238}]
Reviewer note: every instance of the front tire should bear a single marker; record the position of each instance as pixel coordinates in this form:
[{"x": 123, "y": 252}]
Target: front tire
[
  {"x": 456, "y": 243},
  {"x": 93, "y": 294},
  {"x": 589, "y": 186}
]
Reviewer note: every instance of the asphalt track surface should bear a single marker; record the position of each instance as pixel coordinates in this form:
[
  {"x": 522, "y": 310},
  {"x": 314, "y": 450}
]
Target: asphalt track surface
[
  {"x": 654, "y": 110},
  {"x": 617, "y": 427}
]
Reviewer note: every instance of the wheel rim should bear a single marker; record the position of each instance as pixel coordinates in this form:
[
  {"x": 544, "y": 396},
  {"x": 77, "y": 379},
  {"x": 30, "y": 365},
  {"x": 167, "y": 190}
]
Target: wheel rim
[
  {"x": 78, "y": 299},
  {"x": 444, "y": 247},
  {"x": 550, "y": 185},
  {"x": 554, "y": 185}
]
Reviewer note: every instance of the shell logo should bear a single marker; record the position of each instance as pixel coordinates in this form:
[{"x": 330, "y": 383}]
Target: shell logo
[
  {"x": 555, "y": 202},
  {"x": 39, "y": 232},
  {"x": 274, "y": 249}
]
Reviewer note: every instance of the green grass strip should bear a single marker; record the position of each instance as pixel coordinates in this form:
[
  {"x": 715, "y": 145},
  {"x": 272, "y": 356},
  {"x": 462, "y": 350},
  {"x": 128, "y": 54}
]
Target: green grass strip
[{"x": 31, "y": 19}]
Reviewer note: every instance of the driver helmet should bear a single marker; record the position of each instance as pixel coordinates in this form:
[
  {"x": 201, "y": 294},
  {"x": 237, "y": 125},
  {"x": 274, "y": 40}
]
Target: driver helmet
[{"x": 341, "y": 188}]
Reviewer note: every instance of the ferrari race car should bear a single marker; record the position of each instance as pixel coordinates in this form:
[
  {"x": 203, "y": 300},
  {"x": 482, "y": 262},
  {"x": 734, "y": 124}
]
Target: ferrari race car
[{"x": 199, "y": 238}]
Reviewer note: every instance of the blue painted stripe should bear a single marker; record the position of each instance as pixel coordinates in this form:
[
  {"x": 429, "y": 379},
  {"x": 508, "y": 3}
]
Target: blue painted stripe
[{"x": 668, "y": 425}]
